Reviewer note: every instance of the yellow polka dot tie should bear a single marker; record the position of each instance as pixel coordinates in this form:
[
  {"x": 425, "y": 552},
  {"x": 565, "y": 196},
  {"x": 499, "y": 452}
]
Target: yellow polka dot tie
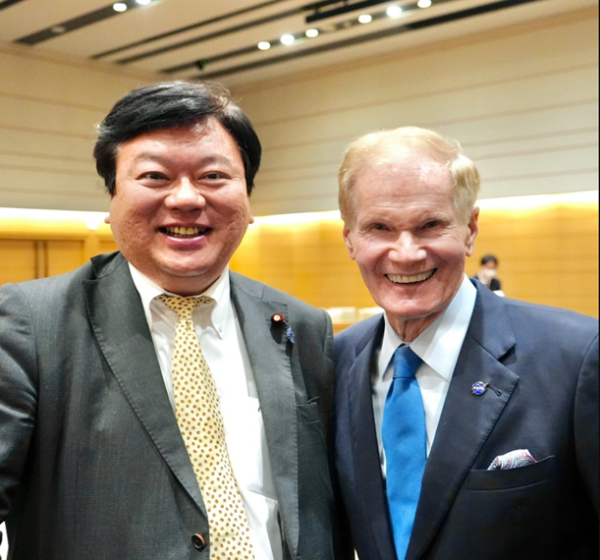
[{"x": 199, "y": 417}]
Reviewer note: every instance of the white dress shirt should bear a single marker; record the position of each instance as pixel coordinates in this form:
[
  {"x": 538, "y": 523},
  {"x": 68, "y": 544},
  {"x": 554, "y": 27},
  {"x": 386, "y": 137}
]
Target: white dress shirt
[
  {"x": 223, "y": 346},
  {"x": 438, "y": 346}
]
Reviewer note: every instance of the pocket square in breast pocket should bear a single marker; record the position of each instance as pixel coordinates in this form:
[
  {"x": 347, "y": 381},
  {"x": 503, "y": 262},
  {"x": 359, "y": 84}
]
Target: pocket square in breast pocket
[{"x": 513, "y": 460}]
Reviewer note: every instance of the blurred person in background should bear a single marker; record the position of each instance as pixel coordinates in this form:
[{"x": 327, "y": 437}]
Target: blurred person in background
[{"x": 487, "y": 274}]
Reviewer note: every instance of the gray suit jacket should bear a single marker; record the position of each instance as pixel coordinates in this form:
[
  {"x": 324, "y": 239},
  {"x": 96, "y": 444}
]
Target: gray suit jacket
[
  {"x": 92, "y": 462},
  {"x": 542, "y": 365}
]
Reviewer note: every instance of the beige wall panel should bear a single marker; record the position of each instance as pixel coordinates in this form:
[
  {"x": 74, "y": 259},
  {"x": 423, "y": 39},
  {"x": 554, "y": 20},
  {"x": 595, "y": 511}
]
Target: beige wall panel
[
  {"x": 49, "y": 146},
  {"x": 532, "y": 183},
  {"x": 46, "y": 188},
  {"x": 64, "y": 81},
  {"x": 49, "y": 107},
  {"x": 567, "y": 160},
  {"x": 56, "y": 118},
  {"x": 482, "y": 101},
  {"x": 523, "y": 102},
  {"x": 550, "y": 125},
  {"x": 564, "y": 42},
  {"x": 18, "y": 258},
  {"x": 45, "y": 164}
]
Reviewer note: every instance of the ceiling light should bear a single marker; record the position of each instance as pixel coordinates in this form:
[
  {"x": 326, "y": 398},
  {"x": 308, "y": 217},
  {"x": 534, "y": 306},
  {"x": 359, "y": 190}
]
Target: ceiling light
[
  {"x": 394, "y": 11},
  {"x": 424, "y": 3},
  {"x": 143, "y": 2},
  {"x": 310, "y": 33},
  {"x": 287, "y": 39},
  {"x": 365, "y": 18},
  {"x": 119, "y": 6},
  {"x": 264, "y": 45},
  {"x": 58, "y": 29}
]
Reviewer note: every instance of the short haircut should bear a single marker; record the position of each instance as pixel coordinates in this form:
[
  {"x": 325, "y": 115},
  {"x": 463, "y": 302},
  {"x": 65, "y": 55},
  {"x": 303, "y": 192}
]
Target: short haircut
[
  {"x": 489, "y": 258},
  {"x": 170, "y": 105},
  {"x": 368, "y": 149}
]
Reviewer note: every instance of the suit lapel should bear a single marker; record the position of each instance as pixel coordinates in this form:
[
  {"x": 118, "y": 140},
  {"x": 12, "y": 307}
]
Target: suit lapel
[
  {"x": 466, "y": 420},
  {"x": 364, "y": 441},
  {"x": 121, "y": 329},
  {"x": 270, "y": 357}
]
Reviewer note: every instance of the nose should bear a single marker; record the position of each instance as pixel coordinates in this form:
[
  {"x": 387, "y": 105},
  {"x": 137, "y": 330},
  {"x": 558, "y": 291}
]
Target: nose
[
  {"x": 407, "y": 249},
  {"x": 184, "y": 195}
]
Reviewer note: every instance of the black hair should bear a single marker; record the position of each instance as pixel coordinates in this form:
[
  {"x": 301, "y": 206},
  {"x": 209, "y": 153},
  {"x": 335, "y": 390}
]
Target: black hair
[
  {"x": 170, "y": 105},
  {"x": 489, "y": 258}
]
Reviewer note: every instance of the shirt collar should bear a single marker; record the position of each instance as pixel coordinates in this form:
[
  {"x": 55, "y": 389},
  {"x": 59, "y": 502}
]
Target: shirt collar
[
  {"x": 219, "y": 292},
  {"x": 440, "y": 343}
]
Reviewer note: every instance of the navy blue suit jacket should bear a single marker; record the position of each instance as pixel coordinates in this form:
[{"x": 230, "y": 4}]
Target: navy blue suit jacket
[{"x": 543, "y": 364}]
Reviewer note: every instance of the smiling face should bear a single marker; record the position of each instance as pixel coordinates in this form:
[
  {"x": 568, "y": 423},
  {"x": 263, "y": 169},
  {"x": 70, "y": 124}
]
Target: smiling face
[
  {"x": 408, "y": 238},
  {"x": 181, "y": 207}
]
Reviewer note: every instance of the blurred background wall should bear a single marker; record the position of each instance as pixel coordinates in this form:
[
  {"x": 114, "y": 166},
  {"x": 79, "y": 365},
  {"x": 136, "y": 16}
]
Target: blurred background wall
[{"x": 522, "y": 99}]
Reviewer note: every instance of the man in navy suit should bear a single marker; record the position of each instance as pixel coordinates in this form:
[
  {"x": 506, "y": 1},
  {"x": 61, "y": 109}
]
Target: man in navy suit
[{"x": 509, "y": 390}]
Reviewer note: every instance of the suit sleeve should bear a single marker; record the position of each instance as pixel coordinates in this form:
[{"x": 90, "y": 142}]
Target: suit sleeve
[
  {"x": 586, "y": 423},
  {"x": 18, "y": 390}
]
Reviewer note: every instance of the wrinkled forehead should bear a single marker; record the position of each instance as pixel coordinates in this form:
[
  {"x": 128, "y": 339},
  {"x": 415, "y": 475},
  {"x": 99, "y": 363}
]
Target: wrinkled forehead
[{"x": 394, "y": 162}]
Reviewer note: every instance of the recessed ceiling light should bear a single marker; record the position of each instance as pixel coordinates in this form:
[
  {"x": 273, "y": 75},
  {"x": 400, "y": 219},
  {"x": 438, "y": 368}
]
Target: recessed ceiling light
[
  {"x": 365, "y": 18},
  {"x": 119, "y": 7},
  {"x": 58, "y": 29},
  {"x": 143, "y": 2},
  {"x": 394, "y": 11},
  {"x": 424, "y": 3},
  {"x": 287, "y": 39},
  {"x": 312, "y": 33},
  {"x": 264, "y": 45}
]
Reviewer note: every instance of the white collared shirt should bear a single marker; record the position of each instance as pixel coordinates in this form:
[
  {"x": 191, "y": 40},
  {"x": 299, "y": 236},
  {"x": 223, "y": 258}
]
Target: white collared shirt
[
  {"x": 223, "y": 346},
  {"x": 438, "y": 346}
]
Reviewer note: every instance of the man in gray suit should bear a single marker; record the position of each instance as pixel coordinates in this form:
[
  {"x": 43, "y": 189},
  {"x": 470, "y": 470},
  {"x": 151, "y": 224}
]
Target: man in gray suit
[{"x": 93, "y": 462}]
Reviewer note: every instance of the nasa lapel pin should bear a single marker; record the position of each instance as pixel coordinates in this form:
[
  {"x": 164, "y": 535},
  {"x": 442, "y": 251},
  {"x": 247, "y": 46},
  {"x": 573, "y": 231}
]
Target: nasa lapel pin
[{"x": 479, "y": 387}]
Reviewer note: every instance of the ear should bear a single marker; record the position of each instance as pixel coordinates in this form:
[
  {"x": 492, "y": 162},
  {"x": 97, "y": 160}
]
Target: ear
[
  {"x": 107, "y": 219},
  {"x": 251, "y": 220},
  {"x": 348, "y": 242},
  {"x": 473, "y": 226}
]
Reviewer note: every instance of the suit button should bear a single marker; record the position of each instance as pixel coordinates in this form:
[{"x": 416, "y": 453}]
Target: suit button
[{"x": 198, "y": 541}]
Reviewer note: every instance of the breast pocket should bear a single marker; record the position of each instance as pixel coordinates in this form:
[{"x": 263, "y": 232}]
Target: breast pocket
[
  {"x": 512, "y": 478},
  {"x": 505, "y": 511}
]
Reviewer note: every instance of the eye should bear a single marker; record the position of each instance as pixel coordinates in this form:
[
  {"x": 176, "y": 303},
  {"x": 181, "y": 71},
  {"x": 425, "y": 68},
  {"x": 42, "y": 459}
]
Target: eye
[
  {"x": 432, "y": 224},
  {"x": 379, "y": 227},
  {"x": 154, "y": 176},
  {"x": 214, "y": 176}
]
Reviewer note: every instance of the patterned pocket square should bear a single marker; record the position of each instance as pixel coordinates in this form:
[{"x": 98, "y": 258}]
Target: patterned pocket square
[{"x": 513, "y": 460}]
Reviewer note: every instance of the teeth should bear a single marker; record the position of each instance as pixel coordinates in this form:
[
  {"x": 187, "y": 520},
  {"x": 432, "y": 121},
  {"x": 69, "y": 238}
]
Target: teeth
[
  {"x": 397, "y": 279},
  {"x": 185, "y": 231}
]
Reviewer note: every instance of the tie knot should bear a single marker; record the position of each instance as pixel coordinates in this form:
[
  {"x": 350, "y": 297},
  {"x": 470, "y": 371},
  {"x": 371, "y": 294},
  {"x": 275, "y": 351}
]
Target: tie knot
[
  {"x": 183, "y": 306},
  {"x": 406, "y": 362}
]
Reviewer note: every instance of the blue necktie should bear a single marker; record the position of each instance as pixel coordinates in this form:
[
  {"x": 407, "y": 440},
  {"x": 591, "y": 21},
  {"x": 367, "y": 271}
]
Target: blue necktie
[{"x": 405, "y": 443}]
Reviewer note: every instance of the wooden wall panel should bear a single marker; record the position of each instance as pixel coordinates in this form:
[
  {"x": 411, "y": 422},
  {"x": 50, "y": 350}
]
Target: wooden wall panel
[
  {"x": 548, "y": 254},
  {"x": 64, "y": 256},
  {"x": 18, "y": 260}
]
